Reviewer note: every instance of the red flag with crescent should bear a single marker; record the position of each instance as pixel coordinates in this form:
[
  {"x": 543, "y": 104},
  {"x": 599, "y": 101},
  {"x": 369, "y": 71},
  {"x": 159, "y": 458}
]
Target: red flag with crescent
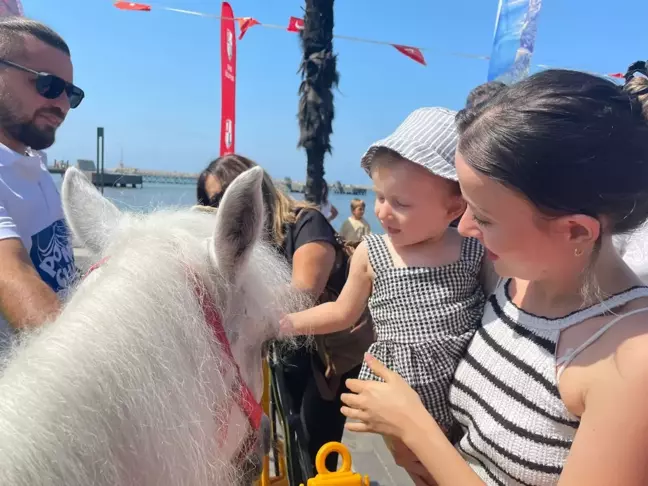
[
  {"x": 411, "y": 52},
  {"x": 295, "y": 24},
  {"x": 245, "y": 23},
  {"x": 138, "y": 7}
]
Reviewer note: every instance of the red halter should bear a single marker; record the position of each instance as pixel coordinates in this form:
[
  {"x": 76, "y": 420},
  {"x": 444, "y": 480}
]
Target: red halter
[{"x": 243, "y": 395}]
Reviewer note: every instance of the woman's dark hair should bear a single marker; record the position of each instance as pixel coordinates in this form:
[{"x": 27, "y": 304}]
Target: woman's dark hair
[
  {"x": 570, "y": 142},
  {"x": 201, "y": 193},
  {"x": 280, "y": 209},
  {"x": 225, "y": 169},
  {"x": 325, "y": 191},
  {"x": 483, "y": 93}
]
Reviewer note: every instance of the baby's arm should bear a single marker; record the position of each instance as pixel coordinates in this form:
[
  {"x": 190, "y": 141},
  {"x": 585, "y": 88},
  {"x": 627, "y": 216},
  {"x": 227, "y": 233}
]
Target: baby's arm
[{"x": 345, "y": 311}]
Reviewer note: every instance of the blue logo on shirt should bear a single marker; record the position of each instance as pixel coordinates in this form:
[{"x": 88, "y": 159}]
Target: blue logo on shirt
[{"x": 52, "y": 255}]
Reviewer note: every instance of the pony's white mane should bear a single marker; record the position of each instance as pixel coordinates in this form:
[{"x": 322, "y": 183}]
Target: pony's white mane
[{"x": 128, "y": 386}]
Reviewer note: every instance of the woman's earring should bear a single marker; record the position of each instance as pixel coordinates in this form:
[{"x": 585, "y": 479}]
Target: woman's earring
[{"x": 578, "y": 252}]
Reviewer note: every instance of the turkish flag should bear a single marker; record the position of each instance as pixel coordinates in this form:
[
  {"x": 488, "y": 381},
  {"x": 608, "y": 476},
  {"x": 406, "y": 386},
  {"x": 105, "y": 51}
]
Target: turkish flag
[
  {"x": 411, "y": 52},
  {"x": 139, "y": 7},
  {"x": 295, "y": 24},
  {"x": 245, "y": 23},
  {"x": 617, "y": 75}
]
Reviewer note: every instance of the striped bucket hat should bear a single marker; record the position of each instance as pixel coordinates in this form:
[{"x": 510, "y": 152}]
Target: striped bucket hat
[{"x": 428, "y": 137}]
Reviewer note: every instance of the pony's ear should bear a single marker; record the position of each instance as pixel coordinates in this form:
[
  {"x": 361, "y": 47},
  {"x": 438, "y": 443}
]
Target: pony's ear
[
  {"x": 239, "y": 222},
  {"x": 90, "y": 216}
]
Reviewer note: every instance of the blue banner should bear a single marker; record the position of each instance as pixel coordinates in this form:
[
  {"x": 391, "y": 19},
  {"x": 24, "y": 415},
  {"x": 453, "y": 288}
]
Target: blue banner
[{"x": 514, "y": 40}]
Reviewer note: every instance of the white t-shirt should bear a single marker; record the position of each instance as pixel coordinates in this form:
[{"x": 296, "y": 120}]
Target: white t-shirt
[{"x": 30, "y": 210}]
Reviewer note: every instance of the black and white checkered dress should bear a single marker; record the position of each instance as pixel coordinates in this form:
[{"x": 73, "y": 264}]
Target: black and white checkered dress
[{"x": 424, "y": 318}]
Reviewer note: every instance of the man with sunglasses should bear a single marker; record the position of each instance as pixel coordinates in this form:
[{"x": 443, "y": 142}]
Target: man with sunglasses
[{"x": 36, "y": 93}]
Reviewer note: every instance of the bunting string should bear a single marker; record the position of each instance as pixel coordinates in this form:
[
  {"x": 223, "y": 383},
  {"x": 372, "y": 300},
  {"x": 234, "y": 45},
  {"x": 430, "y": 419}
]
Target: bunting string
[{"x": 296, "y": 24}]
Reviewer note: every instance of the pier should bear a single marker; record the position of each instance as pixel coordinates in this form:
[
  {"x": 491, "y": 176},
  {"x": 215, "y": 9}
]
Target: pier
[
  {"x": 106, "y": 179},
  {"x": 288, "y": 185},
  {"x": 133, "y": 177}
]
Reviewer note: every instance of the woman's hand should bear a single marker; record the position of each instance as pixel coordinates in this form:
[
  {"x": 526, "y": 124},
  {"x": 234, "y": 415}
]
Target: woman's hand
[{"x": 391, "y": 408}]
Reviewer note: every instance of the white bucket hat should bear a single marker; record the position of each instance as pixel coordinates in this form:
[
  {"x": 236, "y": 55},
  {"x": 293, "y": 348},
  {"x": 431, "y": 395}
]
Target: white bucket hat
[{"x": 428, "y": 137}]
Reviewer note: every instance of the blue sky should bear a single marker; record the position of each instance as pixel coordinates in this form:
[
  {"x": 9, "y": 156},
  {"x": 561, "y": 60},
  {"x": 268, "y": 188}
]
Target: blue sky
[{"x": 153, "y": 79}]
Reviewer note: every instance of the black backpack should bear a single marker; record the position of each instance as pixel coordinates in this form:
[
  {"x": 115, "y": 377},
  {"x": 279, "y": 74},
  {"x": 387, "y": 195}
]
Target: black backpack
[{"x": 340, "y": 351}]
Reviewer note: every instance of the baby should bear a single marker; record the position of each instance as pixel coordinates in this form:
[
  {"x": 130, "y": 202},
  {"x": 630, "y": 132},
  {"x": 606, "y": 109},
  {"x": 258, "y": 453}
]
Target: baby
[{"x": 421, "y": 279}]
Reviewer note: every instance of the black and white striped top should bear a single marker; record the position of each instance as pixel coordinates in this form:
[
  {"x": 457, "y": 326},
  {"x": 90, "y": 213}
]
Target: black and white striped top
[{"x": 517, "y": 430}]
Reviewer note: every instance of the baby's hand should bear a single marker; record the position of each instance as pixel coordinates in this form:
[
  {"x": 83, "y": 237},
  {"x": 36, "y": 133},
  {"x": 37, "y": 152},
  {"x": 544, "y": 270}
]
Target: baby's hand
[{"x": 286, "y": 326}]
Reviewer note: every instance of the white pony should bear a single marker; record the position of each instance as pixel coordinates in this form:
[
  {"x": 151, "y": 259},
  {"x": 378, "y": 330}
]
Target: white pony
[{"x": 133, "y": 384}]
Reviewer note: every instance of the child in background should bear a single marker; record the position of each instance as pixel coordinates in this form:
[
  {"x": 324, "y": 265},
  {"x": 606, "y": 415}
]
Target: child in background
[
  {"x": 421, "y": 278},
  {"x": 355, "y": 227}
]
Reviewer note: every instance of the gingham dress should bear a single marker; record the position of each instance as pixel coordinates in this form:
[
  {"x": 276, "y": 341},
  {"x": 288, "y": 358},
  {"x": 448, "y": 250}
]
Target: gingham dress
[{"x": 424, "y": 318}]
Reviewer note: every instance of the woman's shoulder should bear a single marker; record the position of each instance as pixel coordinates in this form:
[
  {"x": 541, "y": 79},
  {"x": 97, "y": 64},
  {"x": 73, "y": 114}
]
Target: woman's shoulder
[
  {"x": 311, "y": 225},
  {"x": 614, "y": 353},
  {"x": 628, "y": 336}
]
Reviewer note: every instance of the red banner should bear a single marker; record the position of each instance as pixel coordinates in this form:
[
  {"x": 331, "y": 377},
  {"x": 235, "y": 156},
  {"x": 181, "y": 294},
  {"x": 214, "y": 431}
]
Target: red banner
[
  {"x": 295, "y": 24},
  {"x": 228, "y": 80},
  {"x": 411, "y": 52}
]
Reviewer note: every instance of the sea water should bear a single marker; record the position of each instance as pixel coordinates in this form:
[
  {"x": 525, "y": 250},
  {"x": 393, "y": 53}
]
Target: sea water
[{"x": 155, "y": 196}]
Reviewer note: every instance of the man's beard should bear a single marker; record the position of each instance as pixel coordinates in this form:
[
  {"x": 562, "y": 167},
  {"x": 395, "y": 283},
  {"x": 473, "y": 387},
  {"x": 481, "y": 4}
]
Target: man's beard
[{"x": 26, "y": 132}]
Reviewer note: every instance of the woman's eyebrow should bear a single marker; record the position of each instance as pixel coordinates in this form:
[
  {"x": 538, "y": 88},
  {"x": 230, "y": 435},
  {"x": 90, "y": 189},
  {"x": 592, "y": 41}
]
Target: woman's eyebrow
[{"x": 473, "y": 205}]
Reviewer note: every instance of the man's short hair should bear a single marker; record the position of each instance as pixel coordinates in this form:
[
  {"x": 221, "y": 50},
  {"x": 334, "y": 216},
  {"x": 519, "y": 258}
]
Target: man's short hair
[
  {"x": 13, "y": 31},
  {"x": 483, "y": 93}
]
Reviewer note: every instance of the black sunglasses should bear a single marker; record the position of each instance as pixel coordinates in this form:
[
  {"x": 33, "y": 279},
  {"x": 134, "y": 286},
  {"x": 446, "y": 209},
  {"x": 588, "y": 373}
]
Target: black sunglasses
[{"x": 50, "y": 86}]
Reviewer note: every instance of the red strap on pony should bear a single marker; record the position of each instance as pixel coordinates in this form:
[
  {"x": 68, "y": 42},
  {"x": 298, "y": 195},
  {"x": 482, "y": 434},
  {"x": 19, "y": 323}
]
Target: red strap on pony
[
  {"x": 244, "y": 397},
  {"x": 95, "y": 266}
]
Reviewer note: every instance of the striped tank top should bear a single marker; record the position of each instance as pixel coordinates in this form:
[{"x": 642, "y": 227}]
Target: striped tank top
[{"x": 516, "y": 429}]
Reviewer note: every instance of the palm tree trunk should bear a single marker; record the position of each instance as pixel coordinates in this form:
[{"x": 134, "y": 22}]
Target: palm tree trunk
[{"x": 319, "y": 78}]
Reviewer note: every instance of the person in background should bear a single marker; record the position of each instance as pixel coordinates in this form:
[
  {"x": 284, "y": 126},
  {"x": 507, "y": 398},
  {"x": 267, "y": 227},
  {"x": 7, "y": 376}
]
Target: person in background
[
  {"x": 552, "y": 388},
  {"x": 633, "y": 247},
  {"x": 36, "y": 93},
  {"x": 329, "y": 211},
  {"x": 355, "y": 227},
  {"x": 308, "y": 241}
]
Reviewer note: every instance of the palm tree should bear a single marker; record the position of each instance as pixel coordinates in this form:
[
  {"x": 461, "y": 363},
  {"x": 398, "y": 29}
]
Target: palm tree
[{"x": 319, "y": 77}]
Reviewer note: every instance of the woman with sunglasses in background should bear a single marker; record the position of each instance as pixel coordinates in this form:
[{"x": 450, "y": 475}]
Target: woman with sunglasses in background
[{"x": 308, "y": 241}]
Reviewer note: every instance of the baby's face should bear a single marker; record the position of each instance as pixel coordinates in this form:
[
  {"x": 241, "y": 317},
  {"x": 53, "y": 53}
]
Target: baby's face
[{"x": 412, "y": 204}]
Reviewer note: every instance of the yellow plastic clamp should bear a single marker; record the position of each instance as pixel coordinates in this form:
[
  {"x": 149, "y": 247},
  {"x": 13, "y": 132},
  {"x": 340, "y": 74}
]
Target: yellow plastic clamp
[{"x": 343, "y": 476}]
